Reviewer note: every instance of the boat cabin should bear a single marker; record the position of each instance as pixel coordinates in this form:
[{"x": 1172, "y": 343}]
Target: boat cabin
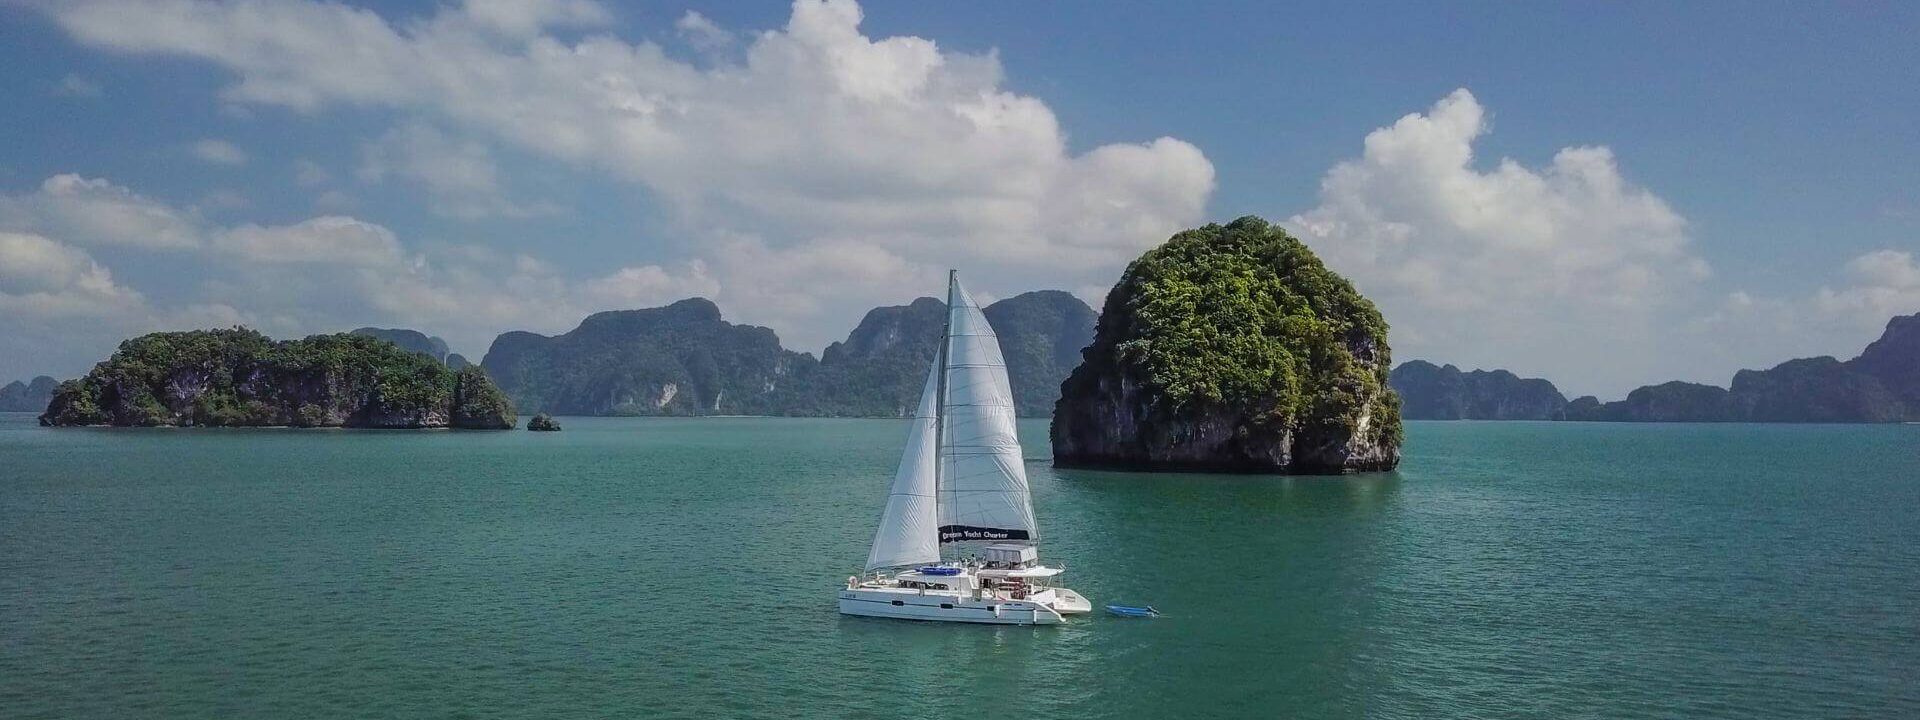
[
  {"x": 1009, "y": 555},
  {"x": 931, "y": 579}
]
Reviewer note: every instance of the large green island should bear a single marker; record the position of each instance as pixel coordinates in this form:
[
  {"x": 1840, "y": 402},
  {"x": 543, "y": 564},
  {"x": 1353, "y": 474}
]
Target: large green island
[
  {"x": 241, "y": 378},
  {"x": 1232, "y": 348}
]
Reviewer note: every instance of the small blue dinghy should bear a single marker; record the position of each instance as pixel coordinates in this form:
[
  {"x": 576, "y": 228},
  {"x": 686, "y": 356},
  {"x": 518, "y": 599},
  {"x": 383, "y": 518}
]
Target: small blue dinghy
[{"x": 1130, "y": 611}]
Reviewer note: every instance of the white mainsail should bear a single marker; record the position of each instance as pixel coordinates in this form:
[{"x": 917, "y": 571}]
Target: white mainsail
[
  {"x": 907, "y": 534},
  {"x": 983, "y": 477},
  {"x": 961, "y": 478}
]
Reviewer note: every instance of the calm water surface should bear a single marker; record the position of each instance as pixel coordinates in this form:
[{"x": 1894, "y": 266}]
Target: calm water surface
[{"x": 683, "y": 568}]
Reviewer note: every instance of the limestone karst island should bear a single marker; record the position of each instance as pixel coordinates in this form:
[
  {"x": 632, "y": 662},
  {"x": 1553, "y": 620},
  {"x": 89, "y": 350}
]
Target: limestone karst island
[
  {"x": 1082, "y": 360},
  {"x": 237, "y": 378},
  {"x": 1232, "y": 348}
]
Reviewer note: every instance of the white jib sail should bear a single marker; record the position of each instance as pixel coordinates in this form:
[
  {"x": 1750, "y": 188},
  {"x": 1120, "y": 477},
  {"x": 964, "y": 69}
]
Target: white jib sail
[
  {"x": 983, "y": 493},
  {"x": 907, "y": 535}
]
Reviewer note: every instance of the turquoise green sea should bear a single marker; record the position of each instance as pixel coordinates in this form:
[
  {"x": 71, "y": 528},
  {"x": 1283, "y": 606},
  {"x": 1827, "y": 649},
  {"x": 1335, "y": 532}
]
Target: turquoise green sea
[{"x": 687, "y": 568}]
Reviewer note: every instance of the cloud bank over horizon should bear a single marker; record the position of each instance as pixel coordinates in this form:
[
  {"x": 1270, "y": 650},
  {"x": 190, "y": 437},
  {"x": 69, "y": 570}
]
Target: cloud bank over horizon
[
  {"x": 808, "y": 173},
  {"x": 818, "y": 173}
]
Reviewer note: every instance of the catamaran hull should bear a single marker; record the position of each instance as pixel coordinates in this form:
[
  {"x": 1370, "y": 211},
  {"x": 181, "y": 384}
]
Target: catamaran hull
[{"x": 945, "y": 609}]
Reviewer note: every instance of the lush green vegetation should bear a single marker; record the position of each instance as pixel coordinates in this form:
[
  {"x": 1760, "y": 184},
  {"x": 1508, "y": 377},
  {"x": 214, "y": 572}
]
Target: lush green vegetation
[
  {"x": 1245, "y": 315},
  {"x": 478, "y": 404},
  {"x": 681, "y": 359},
  {"x": 1041, "y": 335},
  {"x": 241, "y": 377},
  {"x": 409, "y": 339}
]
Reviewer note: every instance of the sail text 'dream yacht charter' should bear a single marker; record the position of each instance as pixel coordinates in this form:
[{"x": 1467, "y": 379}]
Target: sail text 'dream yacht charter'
[{"x": 961, "y": 480}]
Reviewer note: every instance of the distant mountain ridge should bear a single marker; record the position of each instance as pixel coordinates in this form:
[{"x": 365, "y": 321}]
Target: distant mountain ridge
[
  {"x": 1431, "y": 392},
  {"x": 684, "y": 359},
  {"x": 1881, "y": 385},
  {"x": 31, "y": 396},
  {"x": 414, "y": 340}
]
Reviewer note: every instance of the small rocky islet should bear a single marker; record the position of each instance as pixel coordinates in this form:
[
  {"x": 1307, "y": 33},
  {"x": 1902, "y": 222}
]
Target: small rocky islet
[
  {"x": 1232, "y": 348},
  {"x": 242, "y": 378}
]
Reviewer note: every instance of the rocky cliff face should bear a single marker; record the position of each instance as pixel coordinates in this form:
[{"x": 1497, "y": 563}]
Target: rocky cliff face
[
  {"x": 682, "y": 359},
  {"x": 30, "y": 396},
  {"x": 243, "y": 378},
  {"x": 1232, "y": 348},
  {"x": 1433, "y": 392}
]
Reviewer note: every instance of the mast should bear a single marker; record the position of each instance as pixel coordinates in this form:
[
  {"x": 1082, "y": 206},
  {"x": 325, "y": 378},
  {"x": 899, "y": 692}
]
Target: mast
[
  {"x": 981, "y": 461},
  {"x": 940, "y": 396}
]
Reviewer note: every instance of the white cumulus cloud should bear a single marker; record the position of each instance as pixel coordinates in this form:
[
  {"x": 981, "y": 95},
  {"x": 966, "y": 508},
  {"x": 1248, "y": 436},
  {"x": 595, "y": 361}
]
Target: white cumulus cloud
[
  {"x": 326, "y": 240},
  {"x": 97, "y": 212},
  {"x": 1880, "y": 284},
  {"x": 702, "y": 32},
  {"x": 61, "y": 310},
  {"x": 1562, "y": 269},
  {"x": 460, "y": 177},
  {"x": 814, "y": 138}
]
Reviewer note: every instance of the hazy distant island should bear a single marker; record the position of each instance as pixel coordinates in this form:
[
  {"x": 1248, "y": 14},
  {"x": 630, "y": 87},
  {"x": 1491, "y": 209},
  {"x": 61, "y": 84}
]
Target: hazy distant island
[
  {"x": 240, "y": 377},
  {"x": 684, "y": 359},
  {"x": 1443, "y": 392},
  {"x": 1882, "y": 384},
  {"x": 1232, "y": 348},
  {"x": 430, "y": 345},
  {"x": 30, "y": 396}
]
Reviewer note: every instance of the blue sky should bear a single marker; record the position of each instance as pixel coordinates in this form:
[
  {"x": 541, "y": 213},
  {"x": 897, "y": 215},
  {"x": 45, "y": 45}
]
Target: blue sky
[{"x": 1742, "y": 184}]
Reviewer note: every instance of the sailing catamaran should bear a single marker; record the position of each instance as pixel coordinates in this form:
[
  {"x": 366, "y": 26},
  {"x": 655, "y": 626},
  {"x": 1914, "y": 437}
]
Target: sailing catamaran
[{"x": 961, "y": 480}]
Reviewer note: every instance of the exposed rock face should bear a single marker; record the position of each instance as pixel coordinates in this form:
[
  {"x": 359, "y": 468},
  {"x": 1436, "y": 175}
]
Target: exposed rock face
[
  {"x": 1432, "y": 392},
  {"x": 1232, "y": 348},
  {"x": 31, "y": 396},
  {"x": 543, "y": 423},
  {"x": 681, "y": 359},
  {"x": 243, "y": 378}
]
